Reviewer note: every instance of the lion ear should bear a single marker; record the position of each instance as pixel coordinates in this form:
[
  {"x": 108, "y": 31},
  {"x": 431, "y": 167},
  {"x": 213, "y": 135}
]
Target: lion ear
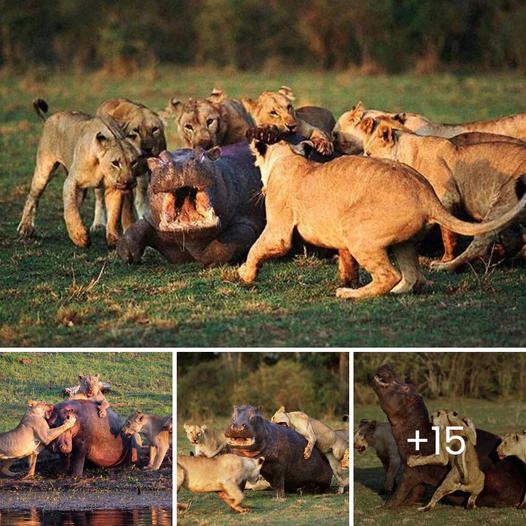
[
  {"x": 282, "y": 409},
  {"x": 81, "y": 376},
  {"x": 97, "y": 376},
  {"x": 217, "y": 96},
  {"x": 101, "y": 139},
  {"x": 400, "y": 117},
  {"x": 249, "y": 104},
  {"x": 176, "y": 106},
  {"x": 204, "y": 427},
  {"x": 31, "y": 403},
  {"x": 186, "y": 427},
  {"x": 357, "y": 110},
  {"x": 385, "y": 132},
  {"x": 304, "y": 148},
  {"x": 368, "y": 125},
  {"x": 471, "y": 431},
  {"x": 287, "y": 93}
]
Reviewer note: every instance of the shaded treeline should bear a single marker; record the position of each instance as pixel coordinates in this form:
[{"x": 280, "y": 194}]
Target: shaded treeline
[
  {"x": 209, "y": 384},
  {"x": 375, "y": 35},
  {"x": 489, "y": 375}
]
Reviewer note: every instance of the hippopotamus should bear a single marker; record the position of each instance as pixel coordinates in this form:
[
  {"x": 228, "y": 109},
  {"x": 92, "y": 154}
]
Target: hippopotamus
[
  {"x": 250, "y": 435},
  {"x": 98, "y": 440},
  {"x": 205, "y": 206},
  {"x": 505, "y": 480}
]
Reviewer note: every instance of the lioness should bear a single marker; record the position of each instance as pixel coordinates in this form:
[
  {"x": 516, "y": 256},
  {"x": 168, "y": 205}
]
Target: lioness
[
  {"x": 212, "y": 121},
  {"x": 361, "y": 204},
  {"x": 225, "y": 474},
  {"x": 465, "y": 473},
  {"x": 95, "y": 153},
  {"x": 514, "y": 444},
  {"x": 379, "y": 436},
  {"x": 326, "y": 440},
  {"x": 483, "y": 179},
  {"x": 30, "y": 437},
  {"x": 145, "y": 130},
  {"x": 90, "y": 389},
  {"x": 153, "y": 427},
  {"x": 275, "y": 109},
  {"x": 348, "y": 137},
  {"x": 207, "y": 441}
]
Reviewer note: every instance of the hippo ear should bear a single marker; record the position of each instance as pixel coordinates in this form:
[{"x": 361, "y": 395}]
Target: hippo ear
[{"x": 214, "y": 153}]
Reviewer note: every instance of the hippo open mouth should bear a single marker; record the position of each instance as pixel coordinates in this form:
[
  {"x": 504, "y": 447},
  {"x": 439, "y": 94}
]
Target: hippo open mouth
[
  {"x": 187, "y": 208},
  {"x": 385, "y": 377},
  {"x": 240, "y": 441}
]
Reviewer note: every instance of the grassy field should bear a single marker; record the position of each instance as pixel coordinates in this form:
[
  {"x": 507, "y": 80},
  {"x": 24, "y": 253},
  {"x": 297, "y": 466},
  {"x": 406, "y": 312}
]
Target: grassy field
[
  {"x": 139, "y": 380},
  {"x": 497, "y": 417},
  {"x": 65, "y": 296},
  {"x": 297, "y": 509}
]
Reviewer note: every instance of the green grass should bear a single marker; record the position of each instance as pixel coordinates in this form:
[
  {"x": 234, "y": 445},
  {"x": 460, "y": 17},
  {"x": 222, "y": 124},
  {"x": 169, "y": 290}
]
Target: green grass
[
  {"x": 369, "y": 475},
  {"x": 54, "y": 297},
  {"x": 296, "y": 509},
  {"x": 139, "y": 380}
]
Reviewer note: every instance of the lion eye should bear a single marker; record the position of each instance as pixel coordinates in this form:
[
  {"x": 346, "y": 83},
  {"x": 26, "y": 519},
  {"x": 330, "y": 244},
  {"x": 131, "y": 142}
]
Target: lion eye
[
  {"x": 132, "y": 135},
  {"x": 136, "y": 130},
  {"x": 188, "y": 127},
  {"x": 274, "y": 113},
  {"x": 117, "y": 164},
  {"x": 209, "y": 122},
  {"x": 289, "y": 107},
  {"x": 155, "y": 129}
]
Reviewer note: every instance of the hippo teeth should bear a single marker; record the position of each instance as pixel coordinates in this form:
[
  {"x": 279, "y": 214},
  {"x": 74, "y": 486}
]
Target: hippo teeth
[
  {"x": 240, "y": 441},
  {"x": 379, "y": 381}
]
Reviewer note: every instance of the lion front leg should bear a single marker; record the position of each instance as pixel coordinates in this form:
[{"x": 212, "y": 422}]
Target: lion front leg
[
  {"x": 114, "y": 199},
  {"x": 76, "y": 229},
  {"x": 271, "y": 243}
]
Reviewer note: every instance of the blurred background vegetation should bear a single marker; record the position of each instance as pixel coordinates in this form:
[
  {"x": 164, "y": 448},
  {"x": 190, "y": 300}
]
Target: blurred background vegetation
[
  {"x": 486, "y": 375},
  {"x": 372, "y": 36},
  {"x": 210, "y": 384}
]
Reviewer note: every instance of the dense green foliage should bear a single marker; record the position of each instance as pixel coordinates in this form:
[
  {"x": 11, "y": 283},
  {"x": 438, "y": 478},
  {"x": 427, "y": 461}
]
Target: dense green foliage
[
  {"x": 458, "y": 374},
  {"x": 300, "y": 381},
  {"x": 139, "y": 380},
  {"x": 376, "y": 35},
  {"x": 58, "y": 294}
]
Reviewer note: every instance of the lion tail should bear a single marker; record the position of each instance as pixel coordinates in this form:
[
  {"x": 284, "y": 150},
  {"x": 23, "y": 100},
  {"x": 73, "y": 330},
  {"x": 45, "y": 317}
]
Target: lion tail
[
  {"x": 41, "y": 107},
  {"x": 441, "y": 216}
]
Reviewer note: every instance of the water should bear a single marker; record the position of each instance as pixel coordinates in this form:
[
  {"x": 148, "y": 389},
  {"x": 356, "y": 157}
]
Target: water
[{"x": 155, "y": 516}]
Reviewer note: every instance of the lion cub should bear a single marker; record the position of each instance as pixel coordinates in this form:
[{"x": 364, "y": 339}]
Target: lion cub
[
  {"x": 90, "y": 389},
  {"x": 207, "y": 441},
  {"x": 153, "y": 427},
  {"x": 95, "y": 153},
  {"x": 225, "y": 474},
  {"x": 332, "y": 445},
  {"x": 30, "y": 437},
  {"x": 465, "y": 473}
]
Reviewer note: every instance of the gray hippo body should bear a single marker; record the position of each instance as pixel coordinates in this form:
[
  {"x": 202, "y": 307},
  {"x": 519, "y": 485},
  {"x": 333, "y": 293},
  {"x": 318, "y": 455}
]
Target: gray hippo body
[
  {"x": 205, "y": 206},
  {"x": 250, "y": 435}
]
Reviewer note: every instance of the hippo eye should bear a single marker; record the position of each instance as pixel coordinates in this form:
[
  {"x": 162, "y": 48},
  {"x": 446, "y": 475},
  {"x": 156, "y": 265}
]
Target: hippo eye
[
  {"x": 117, "y": 164},
  {"x": 188, "y": 127},
  {"x": 209, "y": 122},
  {"x": 274, "y": 113}
]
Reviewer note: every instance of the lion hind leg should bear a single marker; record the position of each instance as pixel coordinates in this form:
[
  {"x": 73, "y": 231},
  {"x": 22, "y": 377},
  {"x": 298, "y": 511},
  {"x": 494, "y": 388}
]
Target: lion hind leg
[
  {"x": 140, "y": 196},
  {"x": 5, "y": 468},
  {"x": 32, "y": 466},
  {"x": 44, "y": 169},
  {"x": 407, "y": 259},
  {"x": 376, "y": 261},
  {"x": 233, "y": 496}
]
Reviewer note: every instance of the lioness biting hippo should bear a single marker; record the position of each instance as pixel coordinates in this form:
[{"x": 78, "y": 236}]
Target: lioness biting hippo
[
  {"x": 205, "y": 206},
  {"x": 285, "y": 468},
  {"x": 361, "y": 205},
  {"x": 505, "y": 480}
]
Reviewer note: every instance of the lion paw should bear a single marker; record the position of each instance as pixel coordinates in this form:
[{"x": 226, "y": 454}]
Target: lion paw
[
  {"x": 246, "y": 273},
  {"x": 102, "y": 413},
  {"x": 81, "y": 239},
  {"x": 26, "y": 230},
  {"x": 97, "y": 227},
  {"x": 322, "y": 144},
  {"x": 111, "y": 240}
]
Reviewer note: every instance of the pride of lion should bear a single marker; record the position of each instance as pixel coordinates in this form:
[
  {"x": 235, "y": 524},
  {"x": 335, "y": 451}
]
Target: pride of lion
[
  {"x": 369, "y": 185},
  {"x": 40, "y": 430}
]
